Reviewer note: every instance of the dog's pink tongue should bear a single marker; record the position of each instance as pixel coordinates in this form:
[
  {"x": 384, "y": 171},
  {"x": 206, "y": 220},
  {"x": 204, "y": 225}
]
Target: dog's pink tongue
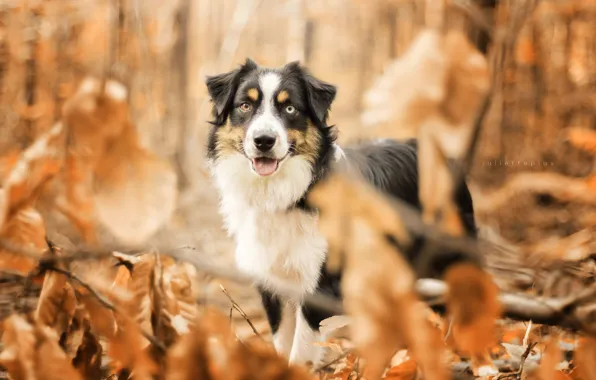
[{"x": 264, "y": 166}]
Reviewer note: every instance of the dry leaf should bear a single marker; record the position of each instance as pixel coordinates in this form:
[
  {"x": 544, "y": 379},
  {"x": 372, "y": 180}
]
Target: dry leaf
[
  {"x": 473, "y": 305},
  {"x": 405, "y": 371},
  {"x": 88, "y": 357},
  {"x": 26, "y": 229},
  {"x": 35, "y": 166},
  {"x": 584, "y": 358},
  {"x": 57, "y": 303},
  {"x": 582, "y": 138},
  {"x": 375, "y": 289},
  {"x": 32, "y": 352},
  {"x": 18, "y": 341},
  {"x": 174, "y": 305},
  {"x": 108, "y": 174}
]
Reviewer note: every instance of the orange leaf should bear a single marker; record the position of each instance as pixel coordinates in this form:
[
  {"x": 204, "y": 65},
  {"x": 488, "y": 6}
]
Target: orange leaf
[
  {"x": 36, "y": 165},
  {"x": 472, "y": 303},
  {"x": 582, "y": 138},
  {"x": 405, "y": 371},
  {"x": 26, "y": 229}
]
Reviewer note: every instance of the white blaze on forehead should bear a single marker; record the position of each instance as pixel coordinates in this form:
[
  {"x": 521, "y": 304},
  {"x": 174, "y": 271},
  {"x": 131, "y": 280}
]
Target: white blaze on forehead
[
  {"x": 269, "y": 84},
  {"x": 266, "y": 120}
]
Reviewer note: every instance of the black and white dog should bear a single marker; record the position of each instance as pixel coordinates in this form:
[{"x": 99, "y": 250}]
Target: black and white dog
[{"x": 269, "y": 144}]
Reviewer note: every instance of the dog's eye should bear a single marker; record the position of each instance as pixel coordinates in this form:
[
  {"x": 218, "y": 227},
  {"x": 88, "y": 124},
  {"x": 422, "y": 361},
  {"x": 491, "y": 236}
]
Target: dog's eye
[
  {"x": 245, "y": 107},
  {"x": 291, "y": 110}
]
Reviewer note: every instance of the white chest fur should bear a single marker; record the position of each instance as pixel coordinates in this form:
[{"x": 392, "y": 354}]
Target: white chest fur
[
  {"x": 285, "y": 245},
  {"x": 271, "y": 242}
]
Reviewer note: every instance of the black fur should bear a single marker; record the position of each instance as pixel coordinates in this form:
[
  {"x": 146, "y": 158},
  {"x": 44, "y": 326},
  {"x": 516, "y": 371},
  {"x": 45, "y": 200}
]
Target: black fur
[{"x": 272, "y": 306}]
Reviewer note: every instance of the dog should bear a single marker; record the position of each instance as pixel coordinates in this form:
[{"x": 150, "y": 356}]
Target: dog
[{"x": 269, "y": 144}]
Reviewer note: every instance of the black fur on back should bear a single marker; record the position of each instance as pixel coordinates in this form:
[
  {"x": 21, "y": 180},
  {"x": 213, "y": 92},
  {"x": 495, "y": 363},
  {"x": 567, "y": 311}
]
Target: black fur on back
[{"x": 391, "y": 166}]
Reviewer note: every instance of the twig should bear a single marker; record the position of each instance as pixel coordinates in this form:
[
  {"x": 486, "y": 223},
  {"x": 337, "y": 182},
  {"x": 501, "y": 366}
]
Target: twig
[
  {"x": 239, "y": 309},
  {"x": 524, "y": 357},
  {"x": 105, "y": 303}
]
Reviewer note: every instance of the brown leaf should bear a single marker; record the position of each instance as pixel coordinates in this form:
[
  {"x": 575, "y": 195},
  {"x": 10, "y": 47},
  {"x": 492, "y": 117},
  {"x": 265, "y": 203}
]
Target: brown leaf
[
  {"x": 405, "y": 371},
  {"x": 473, "y": 305},
  {"x": 584, "y": 357},
  {"x": 51, "y": 363},
  {"x": 374, "y": 290},
  {"x": 25, "y": 228},
  {"x": 174, "y": 305},
  {"x": 582, "y": 138},
  {"x": 211, "y": 352},
  {"x": 34, "y": 167},
  {"x": 135, "y": 192},
  {"x": 92, "y": 117},
  {"x": 57, "y": 303},
  {"x": 551, "y": 357},
  {"x": 88, "y": 358},
  {"x": 109, "y": 178},
  {"x": 32, "y": 352},
  {"x": 18, "y": 341},
  {"x": 101, "y": 319}
]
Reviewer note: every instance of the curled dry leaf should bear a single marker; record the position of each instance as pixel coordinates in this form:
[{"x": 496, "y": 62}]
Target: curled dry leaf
[
  {"x": 33, "y": 168},
  {"x": 433, "y": 91},
  {"x": 379, "y": 295},
  {"x": 135, "y": 192},
  {"x": 108, "y": 174},
  {"x": 365, "y": 202},
  {"x": 474, "y": 308},
  {"x": 57, "y": 303},
  {"x": 24, "y": 228},
  {"x": 139, "y": 284},
  {"x": 211, "y": 351},
  {"x": 32, "y": 352},
  {"x": 173, "y": 299}
]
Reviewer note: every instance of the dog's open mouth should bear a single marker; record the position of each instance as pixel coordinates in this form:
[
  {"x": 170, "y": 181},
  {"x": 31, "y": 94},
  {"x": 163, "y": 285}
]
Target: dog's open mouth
[{"x": 265, "y": 166}]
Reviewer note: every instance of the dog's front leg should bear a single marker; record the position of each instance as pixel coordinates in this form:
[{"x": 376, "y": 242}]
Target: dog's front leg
[
  {"x": 305, "y": 348},
  {"x": 282, "y": 320}
]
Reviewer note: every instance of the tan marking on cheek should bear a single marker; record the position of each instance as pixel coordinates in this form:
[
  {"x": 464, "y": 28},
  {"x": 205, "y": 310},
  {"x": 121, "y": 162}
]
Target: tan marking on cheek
[
  {"x": 282, "y": 96},
  {"x": 253, "y": 94},
  {"x": 229, "y": 139},
  {"x": 306, "y": 142}
]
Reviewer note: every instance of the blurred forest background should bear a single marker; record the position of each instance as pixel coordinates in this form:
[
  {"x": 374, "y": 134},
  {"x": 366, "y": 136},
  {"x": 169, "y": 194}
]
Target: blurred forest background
[{"x": 541, "y": 118}]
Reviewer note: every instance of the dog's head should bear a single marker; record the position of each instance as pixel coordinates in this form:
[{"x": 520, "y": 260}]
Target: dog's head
[
  {"x": 270, "y": 125},
  {"x": 269, "y": 115}
]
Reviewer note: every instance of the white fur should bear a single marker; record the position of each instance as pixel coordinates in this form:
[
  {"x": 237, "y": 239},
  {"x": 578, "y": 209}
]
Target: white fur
[
  {"x": 267, "y": 121},
  {"x": 305, "y": 348},
  {"x": 283, "y": 339}
]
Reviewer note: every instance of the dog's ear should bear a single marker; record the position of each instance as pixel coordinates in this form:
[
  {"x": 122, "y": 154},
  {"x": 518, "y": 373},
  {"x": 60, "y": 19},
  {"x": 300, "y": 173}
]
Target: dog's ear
[
  {"x": 320, "y": 94},
  {"x": 222, "y": 87}
]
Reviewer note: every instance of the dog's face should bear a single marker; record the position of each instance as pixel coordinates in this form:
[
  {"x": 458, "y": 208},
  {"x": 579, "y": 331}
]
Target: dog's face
[
  {"x": 269, "y": 115},
  {"x": 270, "y": 124}
]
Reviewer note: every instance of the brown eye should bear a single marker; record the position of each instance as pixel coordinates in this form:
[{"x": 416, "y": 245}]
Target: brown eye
[{"x": 245, "y": 107}]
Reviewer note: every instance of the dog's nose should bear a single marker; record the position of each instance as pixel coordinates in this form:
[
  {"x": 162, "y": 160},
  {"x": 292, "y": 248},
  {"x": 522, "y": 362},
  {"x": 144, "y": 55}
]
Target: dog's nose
[{"x": 264, "y": 143}]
